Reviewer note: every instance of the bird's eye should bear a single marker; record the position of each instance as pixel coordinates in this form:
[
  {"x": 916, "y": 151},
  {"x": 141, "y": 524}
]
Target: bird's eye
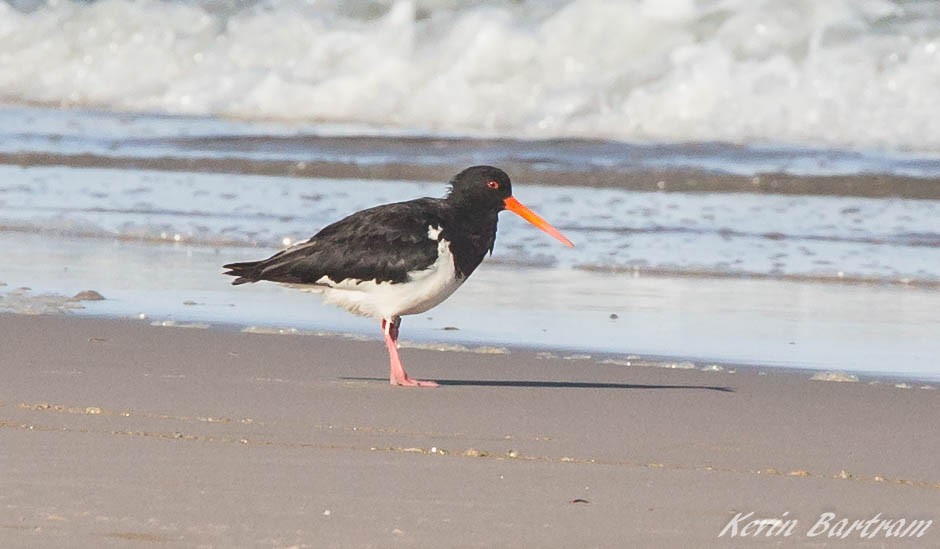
[{"x": 493, "y": 185}]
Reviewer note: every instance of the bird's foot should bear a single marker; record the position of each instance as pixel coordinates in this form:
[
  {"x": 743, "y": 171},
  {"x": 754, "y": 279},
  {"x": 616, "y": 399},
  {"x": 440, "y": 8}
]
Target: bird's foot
[{"x": 406, "y": 381}]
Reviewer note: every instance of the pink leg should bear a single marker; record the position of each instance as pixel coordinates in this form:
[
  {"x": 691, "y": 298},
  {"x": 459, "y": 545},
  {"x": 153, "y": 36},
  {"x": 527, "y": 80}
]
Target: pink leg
[{"x": 397, "y": 375}]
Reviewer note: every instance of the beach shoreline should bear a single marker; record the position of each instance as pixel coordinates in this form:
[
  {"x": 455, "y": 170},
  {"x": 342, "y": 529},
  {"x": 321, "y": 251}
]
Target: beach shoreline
[
  {"x": 118, "y": 431},
  {"x": 737, "y": 346},
  {"x": 625, "y": 317}
]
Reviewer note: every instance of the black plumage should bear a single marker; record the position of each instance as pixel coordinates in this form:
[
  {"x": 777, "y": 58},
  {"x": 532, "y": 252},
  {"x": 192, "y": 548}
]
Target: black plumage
[
  {"x": 401, "y": 258},
  {"x": 387, "y": 242}
]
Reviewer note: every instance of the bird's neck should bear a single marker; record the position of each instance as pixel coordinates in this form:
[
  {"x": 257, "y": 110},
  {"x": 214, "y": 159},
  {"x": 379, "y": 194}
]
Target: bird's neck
[{"x": 471, "y": 235}]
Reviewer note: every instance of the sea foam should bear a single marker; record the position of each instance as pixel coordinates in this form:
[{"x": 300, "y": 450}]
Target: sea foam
[{"x": 843, "y": 73}]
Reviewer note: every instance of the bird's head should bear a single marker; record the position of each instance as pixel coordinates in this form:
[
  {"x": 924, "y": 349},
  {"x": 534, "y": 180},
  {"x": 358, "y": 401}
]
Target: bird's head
[{"x": 485, "y": 188}]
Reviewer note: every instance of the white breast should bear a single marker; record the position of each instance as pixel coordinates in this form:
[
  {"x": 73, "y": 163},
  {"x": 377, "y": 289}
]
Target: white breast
[{"x": 423, "y": 290}]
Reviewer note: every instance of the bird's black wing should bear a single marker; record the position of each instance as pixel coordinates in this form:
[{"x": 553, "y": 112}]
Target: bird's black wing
[{"x": 383, "y": 243}]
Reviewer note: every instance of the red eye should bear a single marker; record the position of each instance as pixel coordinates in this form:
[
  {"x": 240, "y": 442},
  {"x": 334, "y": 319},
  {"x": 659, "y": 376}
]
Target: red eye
[{"x": 493, "y": 185}]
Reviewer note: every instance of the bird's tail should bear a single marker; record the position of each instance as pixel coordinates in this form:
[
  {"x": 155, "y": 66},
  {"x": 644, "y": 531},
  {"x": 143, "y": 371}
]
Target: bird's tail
[{"x": 248, "y": 271}]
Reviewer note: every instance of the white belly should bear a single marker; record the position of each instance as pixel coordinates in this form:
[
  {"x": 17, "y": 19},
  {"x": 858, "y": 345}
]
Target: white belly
[{"x": 423, "y": 290}]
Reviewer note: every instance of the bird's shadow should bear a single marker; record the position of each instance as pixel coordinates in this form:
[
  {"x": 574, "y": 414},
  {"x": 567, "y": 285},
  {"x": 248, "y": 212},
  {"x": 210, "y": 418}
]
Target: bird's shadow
[{"x": 555, "y": 384}]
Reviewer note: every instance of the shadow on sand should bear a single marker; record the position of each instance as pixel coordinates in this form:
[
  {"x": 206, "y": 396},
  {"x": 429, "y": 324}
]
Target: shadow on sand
[{"x": 553, "y": 384}]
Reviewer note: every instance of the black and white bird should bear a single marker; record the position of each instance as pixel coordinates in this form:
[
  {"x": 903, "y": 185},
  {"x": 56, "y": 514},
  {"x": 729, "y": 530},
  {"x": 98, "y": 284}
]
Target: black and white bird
[{"x": 399, "y": 259}]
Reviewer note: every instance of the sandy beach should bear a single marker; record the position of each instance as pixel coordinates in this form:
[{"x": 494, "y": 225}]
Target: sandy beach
[
  {"x": 119, "y": 433},
  {"x": 740, "y": 350}
]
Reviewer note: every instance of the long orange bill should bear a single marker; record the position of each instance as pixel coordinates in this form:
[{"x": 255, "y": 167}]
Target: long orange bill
[{"x": 517, "y": 208}]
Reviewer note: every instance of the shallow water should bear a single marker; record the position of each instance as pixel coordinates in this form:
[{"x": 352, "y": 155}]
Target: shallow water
[
  {"x": 846, "y": 327},
  {"x": 842, "y": 281},
  {"x": 66, "y": 133},
  {"x": 727, "y": 235}
]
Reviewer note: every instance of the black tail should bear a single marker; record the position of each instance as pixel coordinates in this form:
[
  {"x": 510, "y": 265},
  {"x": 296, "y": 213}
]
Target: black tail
[{"x": 249, "y": 271}]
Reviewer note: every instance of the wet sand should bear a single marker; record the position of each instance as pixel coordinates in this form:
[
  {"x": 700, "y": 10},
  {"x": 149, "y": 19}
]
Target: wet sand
[
  {"x": 687, "y": 180},
  {"x": 118, "y": 433}
]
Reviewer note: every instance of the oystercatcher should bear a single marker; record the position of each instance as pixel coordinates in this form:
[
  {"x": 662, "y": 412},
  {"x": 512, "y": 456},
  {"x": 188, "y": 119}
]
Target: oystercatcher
[{"x": 402, "y": 258}]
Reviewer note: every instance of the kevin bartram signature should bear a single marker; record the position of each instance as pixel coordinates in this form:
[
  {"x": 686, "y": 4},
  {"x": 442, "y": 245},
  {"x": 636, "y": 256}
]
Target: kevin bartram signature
[{"x": 827, "y": 525}]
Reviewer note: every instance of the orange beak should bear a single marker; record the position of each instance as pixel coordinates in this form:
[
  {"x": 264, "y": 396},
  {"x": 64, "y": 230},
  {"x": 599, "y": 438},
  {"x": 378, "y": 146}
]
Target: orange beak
[{"x": 517, "y": 208}]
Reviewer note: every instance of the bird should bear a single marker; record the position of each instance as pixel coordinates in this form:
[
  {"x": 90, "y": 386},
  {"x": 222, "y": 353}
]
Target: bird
[{"x": 399, "y": 259}]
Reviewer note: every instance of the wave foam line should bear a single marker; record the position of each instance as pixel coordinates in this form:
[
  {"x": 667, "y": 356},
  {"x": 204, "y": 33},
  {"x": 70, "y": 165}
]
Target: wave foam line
[{"x": 847, "y": 73}]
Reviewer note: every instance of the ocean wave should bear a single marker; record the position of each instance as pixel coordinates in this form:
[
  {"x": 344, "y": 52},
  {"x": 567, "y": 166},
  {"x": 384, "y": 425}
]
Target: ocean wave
[{"x": 844, "y": 73}]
